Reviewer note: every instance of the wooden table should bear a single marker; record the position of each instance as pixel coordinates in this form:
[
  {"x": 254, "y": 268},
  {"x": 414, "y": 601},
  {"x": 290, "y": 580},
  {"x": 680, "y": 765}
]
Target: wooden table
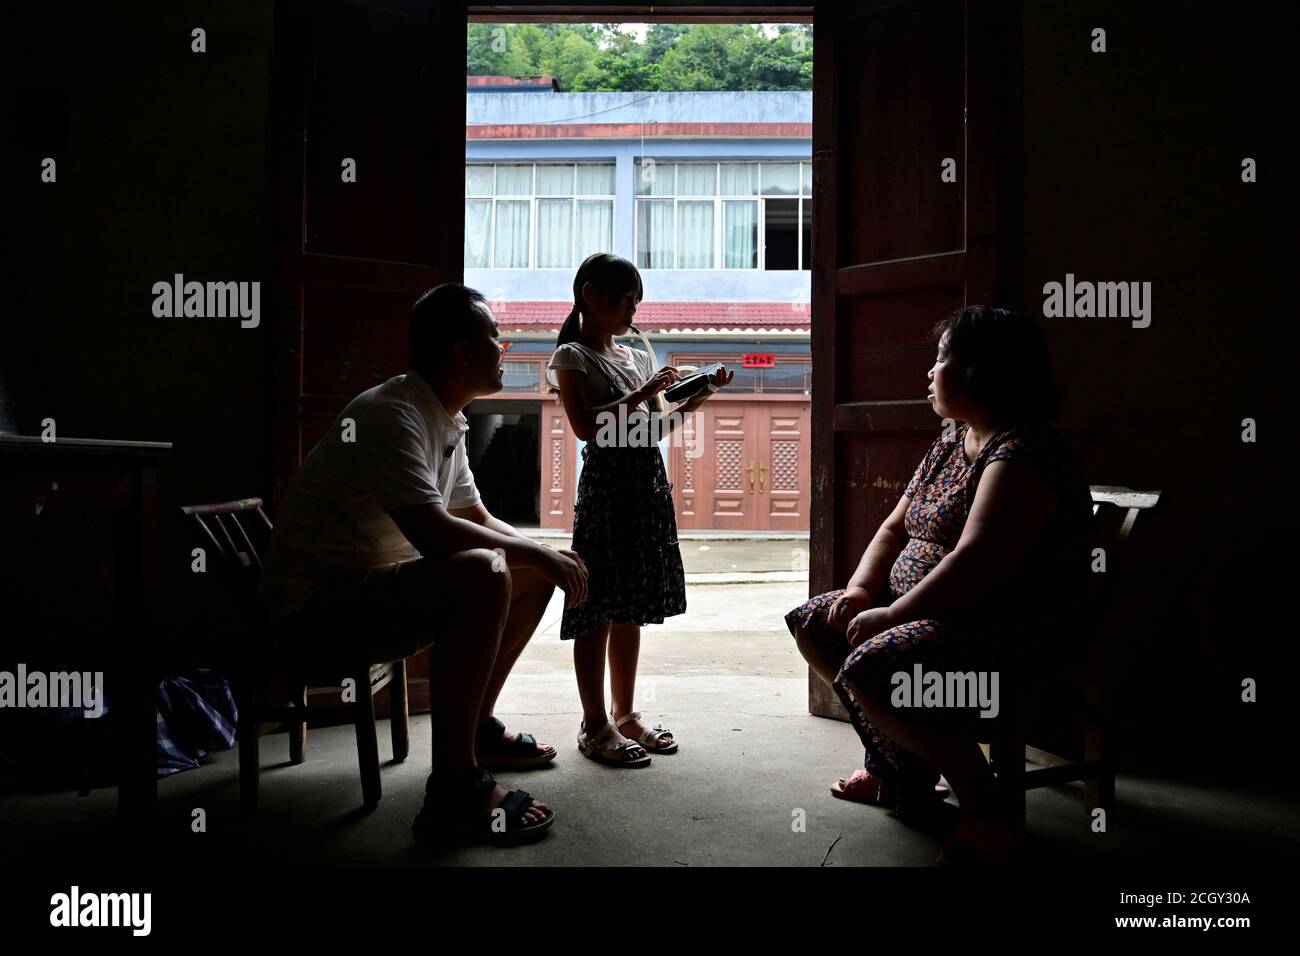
[{"x": 99, "y": 477}]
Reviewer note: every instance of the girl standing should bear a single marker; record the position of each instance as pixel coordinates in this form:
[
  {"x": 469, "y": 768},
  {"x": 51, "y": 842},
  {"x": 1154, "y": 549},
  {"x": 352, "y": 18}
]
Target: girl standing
[{"x": 624, "y": 521}]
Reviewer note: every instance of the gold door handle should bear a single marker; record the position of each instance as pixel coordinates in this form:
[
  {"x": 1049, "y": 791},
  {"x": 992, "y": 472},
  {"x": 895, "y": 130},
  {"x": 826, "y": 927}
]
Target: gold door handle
[
  {"x": 750, "y": 469},
  {"x": 762, "y": 472}
]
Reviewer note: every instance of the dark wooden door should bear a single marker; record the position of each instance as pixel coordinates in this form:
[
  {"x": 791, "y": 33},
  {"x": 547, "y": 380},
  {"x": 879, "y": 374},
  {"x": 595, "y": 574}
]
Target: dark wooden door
[
  {"x": 380, "y": 83},
  {"x": 899, "y": 87}
]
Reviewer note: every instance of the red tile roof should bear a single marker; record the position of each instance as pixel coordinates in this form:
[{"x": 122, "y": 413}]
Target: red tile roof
[
  {"x": 712, "y": 316},
  {"x": 501, "y": 131},
  {"x": 523, "y": 82}
]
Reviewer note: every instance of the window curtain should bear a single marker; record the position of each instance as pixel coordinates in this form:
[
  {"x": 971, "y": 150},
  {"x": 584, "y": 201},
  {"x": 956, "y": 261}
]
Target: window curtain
[
  {"x": 740, "y": 235},
  {"x": 739, "y": 179},
  {"x": 595, "y": 228},
  {"x": 696, "y": 180},
  {"x": 656, "y": 180},
  {"x": 511, "y": 246},
  {"x": 514, "y": 180},
  {"x": 781, "y": 179},
  {"x": 695, "y": 235},
  {"x": 478, "y": 227},
  {"x": 595, "y": 180},
  {"x": 554, "y": 233},
  {"x": 478, "y": 180},
  {"x": 554, "y": 181},
  {"x": 654, "y": 235}
]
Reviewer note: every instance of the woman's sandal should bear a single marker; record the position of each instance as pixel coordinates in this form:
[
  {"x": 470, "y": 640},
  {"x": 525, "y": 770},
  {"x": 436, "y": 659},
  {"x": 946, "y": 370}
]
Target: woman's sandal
[
  {"x": 492, "y": 751},
  {"x": 599, "y": 748},
  {"x": 650, "y": 740},
  {"x": 460, "y": 813},
  {"x": 862, "y": 786}
]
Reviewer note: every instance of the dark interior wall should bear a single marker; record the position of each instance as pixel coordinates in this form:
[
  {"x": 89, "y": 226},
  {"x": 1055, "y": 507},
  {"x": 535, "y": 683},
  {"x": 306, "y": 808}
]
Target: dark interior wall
[
  {"x": 162, "y": 169},
  {"x": 1132, "y": 172}
]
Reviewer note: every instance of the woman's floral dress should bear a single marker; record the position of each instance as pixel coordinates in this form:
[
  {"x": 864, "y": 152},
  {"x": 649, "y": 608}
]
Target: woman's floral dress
[{"x": 1040, "y": 604}]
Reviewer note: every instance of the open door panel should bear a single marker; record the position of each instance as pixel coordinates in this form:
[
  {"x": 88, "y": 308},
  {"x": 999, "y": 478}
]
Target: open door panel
[
  {"x": 382, "y": 84},
  {"x": 901, "y": 87}
]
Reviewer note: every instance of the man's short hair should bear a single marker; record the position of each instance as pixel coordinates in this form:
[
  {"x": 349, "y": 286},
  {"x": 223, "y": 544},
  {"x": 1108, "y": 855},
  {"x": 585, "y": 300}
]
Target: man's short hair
[{"x": 441, "y": 317}]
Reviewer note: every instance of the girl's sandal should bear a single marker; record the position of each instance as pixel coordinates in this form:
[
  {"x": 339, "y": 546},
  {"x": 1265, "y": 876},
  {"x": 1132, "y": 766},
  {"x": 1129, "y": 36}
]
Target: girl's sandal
[
  {"x": 600, "y": 748},
  {"x": 652, "y": 739}
]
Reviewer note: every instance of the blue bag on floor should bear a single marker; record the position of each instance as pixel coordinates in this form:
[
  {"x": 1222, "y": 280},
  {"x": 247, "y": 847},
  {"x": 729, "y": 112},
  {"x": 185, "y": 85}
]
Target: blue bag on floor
[{"x": 196, "y": 716}]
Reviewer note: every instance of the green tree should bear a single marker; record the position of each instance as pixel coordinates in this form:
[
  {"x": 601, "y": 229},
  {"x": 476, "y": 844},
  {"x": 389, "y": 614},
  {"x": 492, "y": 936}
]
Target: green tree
[
  {"x": 783, "y": 62},
  {"x": 705, "y": 58},
  {"x": 492, "y": 51},
  {"x": 621, "y": 66},
  {"x": 532, "y": 41},
  {"x": 660, "y": 38},
  {"x": 596, "y": 57},
  {"x": 566, "y": 55}
]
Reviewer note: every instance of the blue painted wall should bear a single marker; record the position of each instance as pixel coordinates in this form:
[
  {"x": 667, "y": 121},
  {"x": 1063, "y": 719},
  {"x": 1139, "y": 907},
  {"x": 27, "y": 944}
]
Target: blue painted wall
[
  {"x": 665, "y": 285},
  {"x": 548, "y": 107}
]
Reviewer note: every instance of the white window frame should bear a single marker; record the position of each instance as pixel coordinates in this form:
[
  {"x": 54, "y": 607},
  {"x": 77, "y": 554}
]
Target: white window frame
[
  {"x": 803, "y": 200},
  {"x": 572, "y": 197}
]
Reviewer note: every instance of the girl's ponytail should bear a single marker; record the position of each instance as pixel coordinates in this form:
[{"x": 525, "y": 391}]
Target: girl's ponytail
[
  {"x": 569, "y": 330},
  {"x": 568, "y": 333}
]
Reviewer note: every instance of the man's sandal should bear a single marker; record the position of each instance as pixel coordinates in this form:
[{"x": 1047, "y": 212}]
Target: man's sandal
[
  {"x": 492, "y": 751},
  {"x": 600, "y": 748},
  {"x": 650, "y": 739},
  {"x": 460, "y": 813}
]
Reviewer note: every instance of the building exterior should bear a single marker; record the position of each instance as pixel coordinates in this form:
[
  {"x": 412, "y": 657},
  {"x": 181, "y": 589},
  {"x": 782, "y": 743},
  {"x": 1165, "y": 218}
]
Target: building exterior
[{"x": 710, "y": 195}]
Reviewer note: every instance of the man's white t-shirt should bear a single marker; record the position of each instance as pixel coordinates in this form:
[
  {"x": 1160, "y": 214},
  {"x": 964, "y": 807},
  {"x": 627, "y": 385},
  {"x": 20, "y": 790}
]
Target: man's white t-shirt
[{"x": 334, "y": 518}]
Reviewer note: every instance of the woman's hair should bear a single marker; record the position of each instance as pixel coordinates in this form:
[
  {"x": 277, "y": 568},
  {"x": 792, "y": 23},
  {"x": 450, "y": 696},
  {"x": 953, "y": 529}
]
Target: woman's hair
[
  {"x": 613, "y": 275},
  {"x": 1003, "y": 361}
]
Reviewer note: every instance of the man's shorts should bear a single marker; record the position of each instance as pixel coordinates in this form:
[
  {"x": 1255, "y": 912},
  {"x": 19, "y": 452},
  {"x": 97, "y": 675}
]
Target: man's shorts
[{"x": 377, "y": 616}]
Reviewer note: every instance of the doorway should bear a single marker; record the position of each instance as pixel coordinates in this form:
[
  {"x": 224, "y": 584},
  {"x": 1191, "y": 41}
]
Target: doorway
[
  {"x": 906, "y": 87},
  {"x": 503, "y": 447}
]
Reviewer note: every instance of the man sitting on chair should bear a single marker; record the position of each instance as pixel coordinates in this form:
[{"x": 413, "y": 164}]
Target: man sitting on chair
[{"x": 382, "y": 548}]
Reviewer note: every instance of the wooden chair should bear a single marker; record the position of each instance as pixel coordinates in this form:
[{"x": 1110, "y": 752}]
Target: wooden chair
[
  {"x": 223, "y": 532},
  {"x": 1115, "y": 512}
]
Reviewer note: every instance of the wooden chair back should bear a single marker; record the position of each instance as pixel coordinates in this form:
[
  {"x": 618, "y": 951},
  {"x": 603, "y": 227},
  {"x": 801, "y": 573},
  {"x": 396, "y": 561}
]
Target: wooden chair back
[
  {"x": 1115, "y": 512},
  {"x": 235, "y": 535}
]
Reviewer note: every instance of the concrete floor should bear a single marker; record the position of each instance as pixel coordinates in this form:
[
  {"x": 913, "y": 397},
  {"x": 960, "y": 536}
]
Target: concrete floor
[{"x": 726, "y": 678}]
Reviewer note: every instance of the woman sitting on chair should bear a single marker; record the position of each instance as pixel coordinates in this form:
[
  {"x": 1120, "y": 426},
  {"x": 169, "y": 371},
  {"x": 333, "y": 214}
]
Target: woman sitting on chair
[{"x": 984, "y": 557}]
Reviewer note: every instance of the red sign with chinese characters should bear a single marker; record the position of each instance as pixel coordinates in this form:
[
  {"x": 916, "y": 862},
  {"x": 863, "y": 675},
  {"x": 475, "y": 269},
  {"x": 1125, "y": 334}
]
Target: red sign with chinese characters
[{"x": 758, "y": 360}]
